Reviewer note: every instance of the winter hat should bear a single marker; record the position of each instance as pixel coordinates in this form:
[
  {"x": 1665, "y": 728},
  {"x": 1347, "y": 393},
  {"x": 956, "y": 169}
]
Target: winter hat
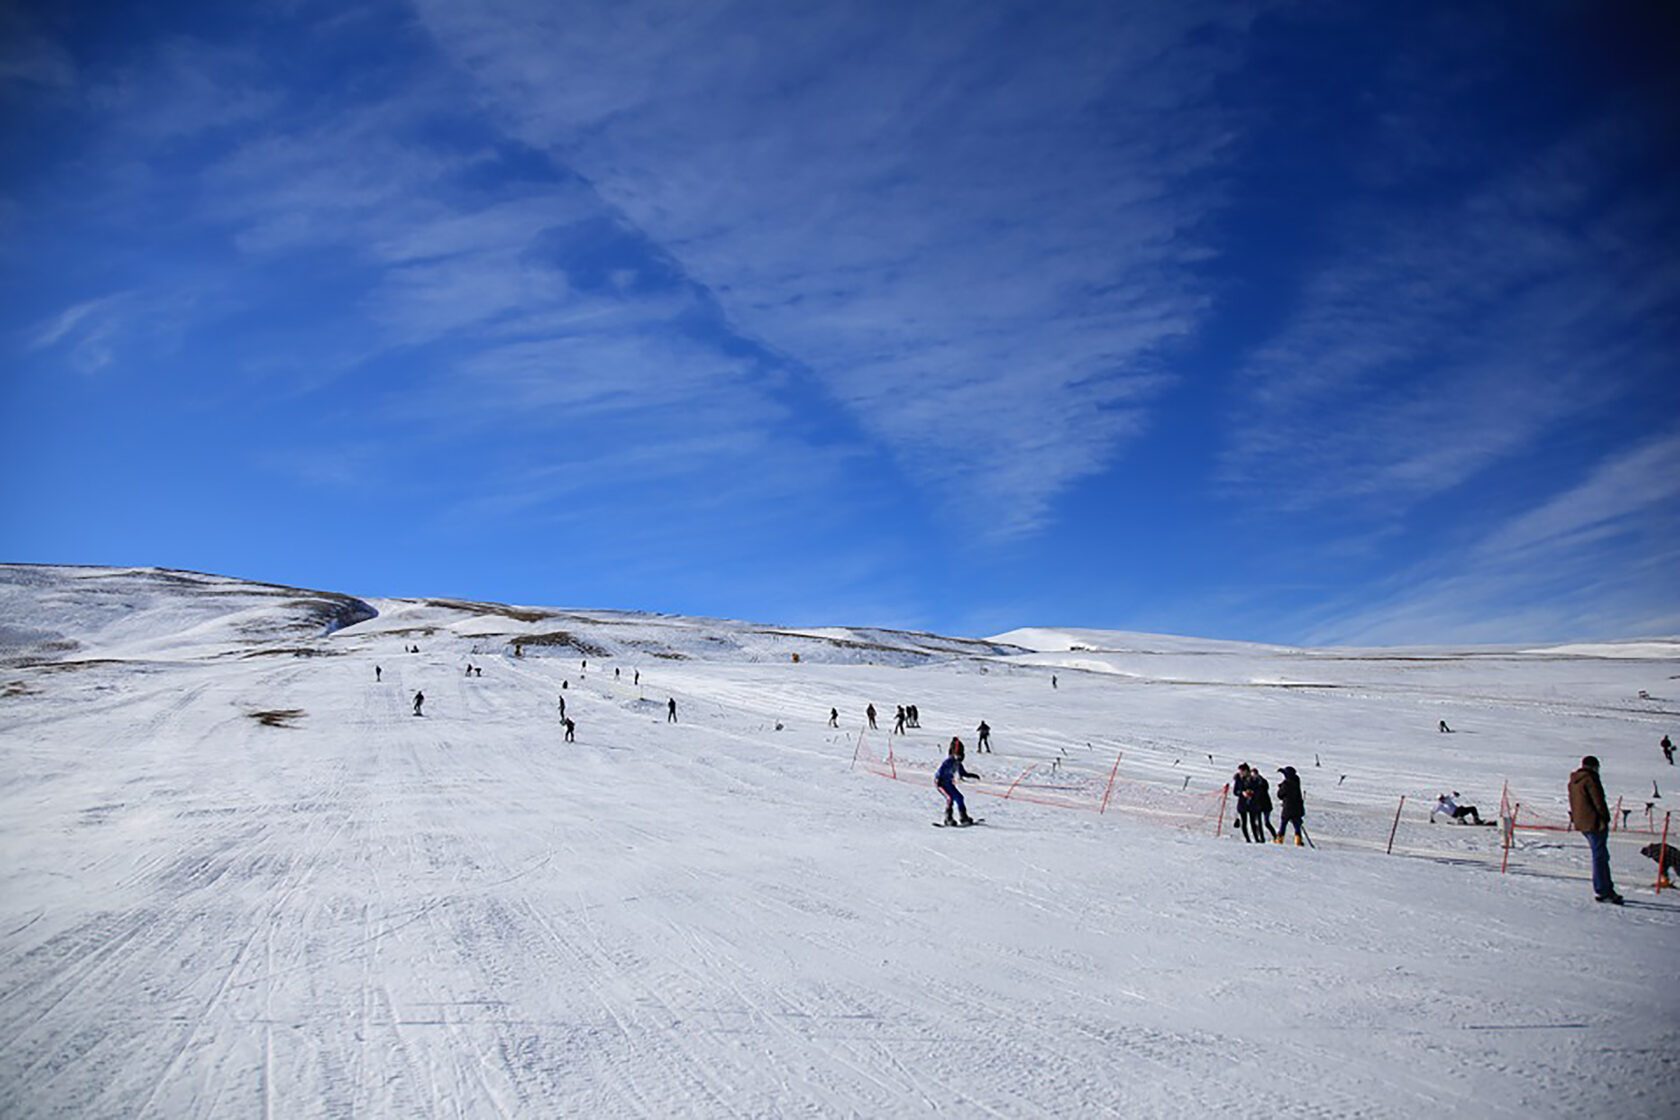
[
  {"x": 1286, "y": 770},
  {"x": 1590, "y": 762}
]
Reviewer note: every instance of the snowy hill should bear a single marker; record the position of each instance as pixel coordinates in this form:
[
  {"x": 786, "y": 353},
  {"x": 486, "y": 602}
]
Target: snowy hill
[{"x": 242, "y": 878}]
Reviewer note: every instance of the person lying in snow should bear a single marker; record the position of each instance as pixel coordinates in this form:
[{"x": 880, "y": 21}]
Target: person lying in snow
[{"x": 1454, "y": 811}]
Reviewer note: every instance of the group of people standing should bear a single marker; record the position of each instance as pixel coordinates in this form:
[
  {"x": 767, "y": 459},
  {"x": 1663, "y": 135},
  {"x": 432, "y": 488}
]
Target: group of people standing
[{"x": 1254, "y": 805}]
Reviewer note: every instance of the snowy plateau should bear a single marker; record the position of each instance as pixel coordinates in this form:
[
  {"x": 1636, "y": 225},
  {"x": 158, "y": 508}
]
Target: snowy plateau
[{"x": 239, "y": 877}]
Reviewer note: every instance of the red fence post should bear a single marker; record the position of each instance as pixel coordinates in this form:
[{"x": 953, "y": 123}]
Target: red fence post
[
  {"x": 1396, "y": 827},
  {"x": 1662, "y": 868},
  {"x": 1117, "y": 757},
  {"x": 1018, "y": 781}
]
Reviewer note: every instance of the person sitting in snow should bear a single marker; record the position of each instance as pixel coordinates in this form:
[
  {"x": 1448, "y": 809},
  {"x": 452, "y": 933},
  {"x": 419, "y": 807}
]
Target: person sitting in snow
[
  {"x": 946, "y": 782},
  {"x": 1449, "y": 805}
]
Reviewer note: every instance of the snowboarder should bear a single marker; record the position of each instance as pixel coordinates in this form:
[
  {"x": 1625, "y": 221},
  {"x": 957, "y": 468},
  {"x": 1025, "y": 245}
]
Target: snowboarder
[
  {"x": 946, "y": 782},
  {"x": 378, "y": 672},
  {"x": 562, "y": 707},
  {"x": 419, "y": 701},
  {"x": 898, "y": 721},
  {"x": 1667, "y": 749},
  {"x": 1445, "y": 730},
  {"x": 571, "y": 730},
  {"x": 1292, "y": 805},
  {"x": 870, "y": 712},
  {"x": 985, "y": 743},
  {"x": 834, "y": 717},
  {"x": 1589, "y": 814},
  {"x": 1449, "y": 805},
  {"x": 671, "y": 710}
]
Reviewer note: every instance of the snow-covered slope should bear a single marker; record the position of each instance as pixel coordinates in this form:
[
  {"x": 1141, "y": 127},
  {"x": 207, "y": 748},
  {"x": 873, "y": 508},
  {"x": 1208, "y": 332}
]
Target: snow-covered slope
[{"x": 239, "y": 877}]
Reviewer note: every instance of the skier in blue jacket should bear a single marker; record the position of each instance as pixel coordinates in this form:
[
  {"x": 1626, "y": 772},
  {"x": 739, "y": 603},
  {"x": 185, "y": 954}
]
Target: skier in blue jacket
[{"x": 946, "y": 781}]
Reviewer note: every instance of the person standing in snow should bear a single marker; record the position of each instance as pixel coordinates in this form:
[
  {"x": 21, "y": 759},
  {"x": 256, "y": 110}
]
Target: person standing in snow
[
  {"x": 571, "y": 730},
  {"x": 834, "y": 717},
  {"x": 378, "y": 672},
  {"x": 1261, "y": 814},
  {"x": 562, "y": 705},
  {"x": 419, "y": 702},
  {"x": 946, "y": 782},
  {"x": 1590, "y": 814},
  {"x": 1292, "y": 805},
  {"x": 898, "y": 721},
  {"x": 671, "y": 710},
  {"x": 870, "y": 712},
  {"x": 1667, "y": 749},
  {"x": 985, "y": 743},
  {"x": 1242, "y": 788},
  {"x": 912, "y": 715}
]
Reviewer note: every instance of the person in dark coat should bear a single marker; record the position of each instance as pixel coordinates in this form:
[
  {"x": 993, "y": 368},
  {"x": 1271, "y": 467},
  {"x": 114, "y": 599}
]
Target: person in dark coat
[
  {"x": 870, "y": 712},
  {"x": 1589, "y": 814},
  {"x": 1292, "y": 806},
  {"x": 571, "y": 730},
  {"x": 1241, "y": 789},
  {"x": 985, "y": 743},
  {"x": 419, "y": 702},
  {"x": 1667, "y": 749},
  {"x": 946, "y": 782},
  {"x": 1262, "y": 814},
  {"x": 898, "y": 721},
  {"x": 671, "y": 710},
  {"x": 834, "y": 717}
]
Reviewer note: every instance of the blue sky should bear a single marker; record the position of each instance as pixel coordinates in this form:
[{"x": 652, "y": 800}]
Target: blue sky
[{"x": 1297, "y": 322}]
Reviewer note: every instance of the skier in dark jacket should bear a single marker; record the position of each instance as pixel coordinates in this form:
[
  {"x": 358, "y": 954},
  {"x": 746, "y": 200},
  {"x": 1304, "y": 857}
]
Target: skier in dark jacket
[
  {"x": 985, "y": 743},
  {"x": 671, "y": 710},
  {"x": 1292, "y": 806},
  {"x": 419, "y": 702},
  {"x": 870, "y": 712},
  {"x": 946, "y": 781}
]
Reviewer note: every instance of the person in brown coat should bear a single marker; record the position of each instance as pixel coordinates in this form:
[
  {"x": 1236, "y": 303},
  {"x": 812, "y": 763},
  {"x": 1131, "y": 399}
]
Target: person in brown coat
[{"x": 1589, "y": 814}]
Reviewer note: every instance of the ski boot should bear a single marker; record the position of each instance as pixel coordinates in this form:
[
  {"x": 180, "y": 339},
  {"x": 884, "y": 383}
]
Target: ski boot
[
  {"x": 965, "y": 818},
  {"x": 1279, "y": 839},
  {"x": 950, "y": 819},
  {"x": 1299, "y": 843}
]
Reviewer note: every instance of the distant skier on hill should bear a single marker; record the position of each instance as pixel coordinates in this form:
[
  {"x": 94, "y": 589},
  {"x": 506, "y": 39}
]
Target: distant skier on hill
[
  {"x": 562, "y": 706},
  {"x": 870, "y": 712},
  {"x": 985, "y": 741},
  {"x": 671, "y": 710},
  {"x": 898, "y": 721},
  {"x": 1292, "y": 804},
  {"x": 1667, "y": 749},
  {"x": 912, "y": 715},
  {"x": 377, "y": 672},
  {"x": 946, "y": 782},
  {"x": 571, "y": 730},
  {"x": 1445, "y": 730},
  {"x": 834, "y": 717},
  {"x": 419, "y": 702}
]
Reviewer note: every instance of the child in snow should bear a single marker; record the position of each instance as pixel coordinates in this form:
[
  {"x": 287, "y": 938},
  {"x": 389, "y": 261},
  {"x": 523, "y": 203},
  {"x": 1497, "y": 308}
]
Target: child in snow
[{"x": 946, "y": 782}]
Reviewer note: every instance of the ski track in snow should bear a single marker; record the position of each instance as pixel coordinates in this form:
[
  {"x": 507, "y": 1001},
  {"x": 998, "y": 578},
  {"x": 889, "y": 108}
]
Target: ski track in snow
[{"x": 373, "y": 914}]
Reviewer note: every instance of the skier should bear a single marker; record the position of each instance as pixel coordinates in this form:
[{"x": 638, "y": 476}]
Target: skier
[
  {"x": 1445, "y": 730},
  {"x": 378, "y": 672},
  {"x": 834, "y": 717},
  {"x": 638, "y": 678},
  {"x": 912, "y": 715},
  {"x": 1667, "y": 749},
  {"x": 1589, "y": 814},
  {"x": 671, "y": 710},
  {"x": 419, "y": 701},
  {"x": 1449, "y": 805},
  {"x": 1053, "y": 680},
  {"x": 571, "y": 729},
  {"x": 562, "y": 706},
  {"x": 870, "y": 712},
  {"x": 1261, "y": 811},
  {"x": 1292, "y": 806},
  {"x": 985, "y": 743},
  {"x": 946, "y": 782},
  {"x": 469, "y": 670},
  {"x": 898, "y": 721}
]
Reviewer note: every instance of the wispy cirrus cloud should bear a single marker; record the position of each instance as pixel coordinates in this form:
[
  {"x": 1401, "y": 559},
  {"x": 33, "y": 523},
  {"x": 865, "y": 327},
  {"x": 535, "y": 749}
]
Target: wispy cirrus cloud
[
  {"x": 1445, "y": 338},
  {"x": 977, "y": 233}
]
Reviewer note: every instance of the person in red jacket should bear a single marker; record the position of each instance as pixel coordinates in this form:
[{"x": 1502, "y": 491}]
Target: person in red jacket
[{"x": 1589, "y": 813}]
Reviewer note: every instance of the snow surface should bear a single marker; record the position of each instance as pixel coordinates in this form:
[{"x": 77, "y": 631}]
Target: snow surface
[{"x": 347, "y": 910}]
